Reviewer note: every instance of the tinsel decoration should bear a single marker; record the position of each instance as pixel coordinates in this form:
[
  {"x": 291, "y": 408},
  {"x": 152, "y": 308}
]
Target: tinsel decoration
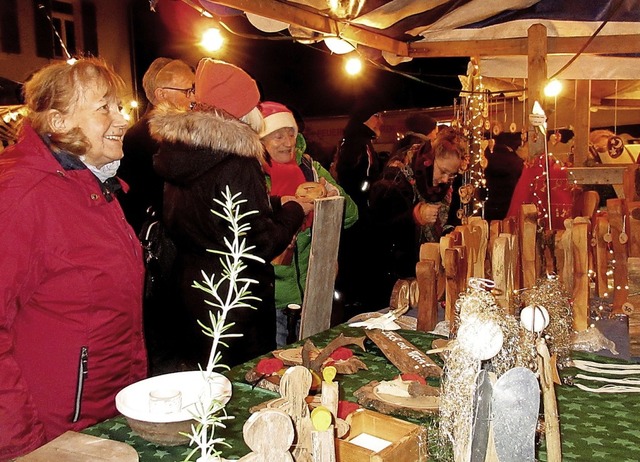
[
  {"x": 478, "y": 313},
  {"x": 550, "y": 293}
]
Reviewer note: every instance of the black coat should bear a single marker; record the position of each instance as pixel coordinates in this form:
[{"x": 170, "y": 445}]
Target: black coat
[
  {"x": 502, "y": 174},
  {"x": 136, "y": 169},
  {"x": 203, "y": 153}
]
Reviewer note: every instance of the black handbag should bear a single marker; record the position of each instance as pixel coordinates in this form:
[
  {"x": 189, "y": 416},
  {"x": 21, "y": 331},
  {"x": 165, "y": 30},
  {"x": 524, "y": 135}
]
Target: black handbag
[{"x": 159, "y": 255}]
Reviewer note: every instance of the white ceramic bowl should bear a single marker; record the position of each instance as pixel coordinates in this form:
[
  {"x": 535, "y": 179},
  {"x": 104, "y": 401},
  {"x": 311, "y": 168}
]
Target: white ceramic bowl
[{"x": 163, "y": 425}]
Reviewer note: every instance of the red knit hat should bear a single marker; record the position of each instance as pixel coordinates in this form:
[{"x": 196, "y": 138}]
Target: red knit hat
[
  {"x": 276, "y": 116},
  {"x": 225, "y": 86}
]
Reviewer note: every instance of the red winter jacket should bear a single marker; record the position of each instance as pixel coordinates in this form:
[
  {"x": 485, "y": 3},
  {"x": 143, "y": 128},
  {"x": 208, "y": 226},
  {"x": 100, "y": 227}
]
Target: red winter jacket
[{"x": 71, "y": 279}]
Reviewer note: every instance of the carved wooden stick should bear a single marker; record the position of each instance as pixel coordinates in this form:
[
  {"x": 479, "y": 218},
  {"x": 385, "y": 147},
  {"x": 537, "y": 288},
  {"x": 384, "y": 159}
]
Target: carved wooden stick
[{"x": 336, "y": 343}]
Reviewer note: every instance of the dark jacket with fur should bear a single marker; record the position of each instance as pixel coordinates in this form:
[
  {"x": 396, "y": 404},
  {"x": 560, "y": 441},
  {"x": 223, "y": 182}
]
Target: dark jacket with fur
[{"x": 201, "y": 154}]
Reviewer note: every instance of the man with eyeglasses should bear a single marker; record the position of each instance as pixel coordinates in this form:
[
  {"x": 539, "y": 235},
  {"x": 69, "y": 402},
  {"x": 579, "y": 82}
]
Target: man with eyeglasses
[{"x": 167, "y": 81}]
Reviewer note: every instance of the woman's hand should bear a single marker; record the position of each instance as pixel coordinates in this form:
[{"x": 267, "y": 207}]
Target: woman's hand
[{"x": 425, "y": 214}]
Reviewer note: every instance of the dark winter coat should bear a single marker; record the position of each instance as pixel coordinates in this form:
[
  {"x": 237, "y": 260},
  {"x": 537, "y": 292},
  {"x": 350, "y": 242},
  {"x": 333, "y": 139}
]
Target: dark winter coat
[
  {"x": 201, "y": 154},
  {"x": 502, "y": 174},
  {"x": 136, "y": 168},
  {"x": 70, "y": 297}
]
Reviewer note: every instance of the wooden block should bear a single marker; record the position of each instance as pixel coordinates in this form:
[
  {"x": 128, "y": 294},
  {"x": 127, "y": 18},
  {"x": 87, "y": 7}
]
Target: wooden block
[
  {"x": 564, "y": 246},
  {"x": 431, "y": 251},
  {"x": 579, "y": 239},
  {"x": 617, "y": 212},
  {"x": 78, "y": 447},
  {"x": 510, "y": 225},
  {"x": 630, "y": 183},
  {"x": 269, "y": 433},
  {"x": 408, "y": 440},
  {"x": 495, "y": 228},
  {"x": 323, "y": 261},
  {"x": 590, "y": 201},
  {"x": 323, "y": 446},
  {"x": 528, "y": 224},
  {"x": 426, "y": 276}
]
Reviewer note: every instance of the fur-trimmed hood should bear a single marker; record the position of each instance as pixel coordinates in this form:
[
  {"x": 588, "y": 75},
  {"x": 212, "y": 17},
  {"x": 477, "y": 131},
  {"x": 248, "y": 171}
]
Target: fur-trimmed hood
[
  {"x": 194, "y": 141},
  {"x": 199, "y": 129}
]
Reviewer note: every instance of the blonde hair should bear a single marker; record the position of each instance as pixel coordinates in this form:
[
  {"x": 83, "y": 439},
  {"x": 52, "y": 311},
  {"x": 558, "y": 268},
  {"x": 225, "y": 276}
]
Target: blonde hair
[
  {"x": 59, "y": 87},
  {"x": 450, "y": 142}
]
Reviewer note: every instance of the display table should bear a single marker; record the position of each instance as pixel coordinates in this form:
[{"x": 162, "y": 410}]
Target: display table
[{"x": 593, "y": 426}]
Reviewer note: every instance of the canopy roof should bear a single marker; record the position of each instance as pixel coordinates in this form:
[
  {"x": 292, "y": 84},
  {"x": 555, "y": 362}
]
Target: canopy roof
[{"x": 450, "y": 28}]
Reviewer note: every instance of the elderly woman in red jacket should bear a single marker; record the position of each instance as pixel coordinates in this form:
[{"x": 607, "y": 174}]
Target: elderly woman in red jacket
[{"x": 71, "y": 285}]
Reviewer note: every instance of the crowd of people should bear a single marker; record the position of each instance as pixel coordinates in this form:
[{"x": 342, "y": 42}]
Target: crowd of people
[{"x": 75, "y": 324}]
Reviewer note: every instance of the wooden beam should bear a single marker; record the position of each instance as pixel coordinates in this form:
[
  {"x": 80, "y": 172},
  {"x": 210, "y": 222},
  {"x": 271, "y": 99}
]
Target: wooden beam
[
  {"x": 519, "y": 46},
  {"x": 295, "y": 14},
  {"x": 603, "y": 174},
  {"x": 582, "y": 121}
]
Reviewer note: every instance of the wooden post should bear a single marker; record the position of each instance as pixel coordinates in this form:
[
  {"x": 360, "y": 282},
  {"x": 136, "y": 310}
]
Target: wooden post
[
  {"x": 495, "y": 228},
  {"x": 503, "y": 267},
  {"x": 633, "y": 228},
  {"x": 601, "y": 255},
  {"x": 330, "y": 392},
  {"x": 528, "y": 224},
  {"x": 537, "y": 79},
  {"x": 579, "y": 239},
  {"x": 551, "y": 419},
  {"x": 582, "y": 122},
  {"x": 617, "y": 213},
  {"x": 455, "y": 266},
  {"x": 479, "y": 236},
  {"x": 323, "y": 261}
]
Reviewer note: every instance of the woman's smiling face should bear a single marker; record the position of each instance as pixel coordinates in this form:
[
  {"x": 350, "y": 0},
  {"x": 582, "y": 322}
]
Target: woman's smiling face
[
  {"x": 97, "y": 114},
  {"x": 281, "y": 144}
]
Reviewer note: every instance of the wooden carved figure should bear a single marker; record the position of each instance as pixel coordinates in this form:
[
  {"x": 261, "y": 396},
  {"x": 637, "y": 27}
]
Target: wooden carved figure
[
  {"x": 269, "y": 434},
  {"x": 294, "y": 388}
]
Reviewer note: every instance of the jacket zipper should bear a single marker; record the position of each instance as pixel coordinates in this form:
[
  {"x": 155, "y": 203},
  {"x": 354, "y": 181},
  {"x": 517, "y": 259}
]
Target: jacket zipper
[{"x": 83, "y": 370}]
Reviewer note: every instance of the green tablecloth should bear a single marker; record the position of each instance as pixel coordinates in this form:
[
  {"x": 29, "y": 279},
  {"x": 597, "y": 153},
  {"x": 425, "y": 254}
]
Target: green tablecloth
[{"x": 594, "y": 426}]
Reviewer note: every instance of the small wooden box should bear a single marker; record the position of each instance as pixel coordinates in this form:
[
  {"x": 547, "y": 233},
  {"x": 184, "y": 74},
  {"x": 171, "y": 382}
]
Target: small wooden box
[{"x": 408, "y": 440}]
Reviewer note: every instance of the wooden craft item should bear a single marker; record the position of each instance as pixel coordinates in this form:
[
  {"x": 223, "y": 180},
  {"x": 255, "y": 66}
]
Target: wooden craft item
[
  {"x": 323, "y": 261},
  {"x": 495, "y": 228},
  {"x": 269, "y": 433},
  {"x": 479, "y": 237},
  {"x": 528, "y": 225},
  {"x": 510, "y": 225},
  {"x": 316, "y": 363},
  {"x": 403, "y": 354},
  {"x": 515, "y": 404},
  {"x": 294, "y": 389},
  {"x": 480, "y": 428},
  {"x": 564, "y": 245},
  {"x": 431, "y": 251},
  {"x": 550, "y": 405},
  {"x": 630, "y": 184},
  {"x": 580, "y": 246},
  {"x": 633, "y": 226},
  {"x": 503, "y": 266},
  {"x": 414, "y": 293},
  {"x": 417, "y": 406},
  {"x": 455, "y": 273},
  {"x": 426, "y": 277},
  {"x": 399, "y": 299},
  {"x": 408, "y": 440},
  {"x": 78, "y": 447},
  {"x": 311, "y": 190},
  {"x": 617, "y": 212},
  {"x": 322, "y": 435},
  {"x": 330, "y": 392},
  {"x": 601, "y": 255},
  {"x": 467, "y": 242}
]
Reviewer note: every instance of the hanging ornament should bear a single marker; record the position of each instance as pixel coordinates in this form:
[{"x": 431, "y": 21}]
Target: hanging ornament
[
  {"x": 266, "y": 24},
  {"x": 615, "y": 146}
]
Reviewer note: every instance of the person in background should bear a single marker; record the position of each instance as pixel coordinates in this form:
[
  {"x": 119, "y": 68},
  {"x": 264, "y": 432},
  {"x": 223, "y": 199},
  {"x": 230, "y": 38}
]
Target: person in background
[
  {"x": 357, "y": 166},
  {"x": 203, "y": 151},
  {"x": 420, "y": 128},
  {"x": 435, "y": 167},
  {"x": 71, "y": 332},
  {"x": 288, "y": 166},
  {"x": 167, "y": 81},
  {"x": 504, "y": 167},
  {"x": 400, "y": 210}
]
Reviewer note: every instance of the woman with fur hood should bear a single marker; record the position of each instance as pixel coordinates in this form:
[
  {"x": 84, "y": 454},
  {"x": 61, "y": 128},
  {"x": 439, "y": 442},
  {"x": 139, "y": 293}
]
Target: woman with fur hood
[{"x": 204, "y": 151}]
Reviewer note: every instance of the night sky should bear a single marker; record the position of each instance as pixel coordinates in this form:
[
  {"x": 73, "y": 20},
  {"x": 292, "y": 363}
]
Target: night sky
[{"x": 308, "y": 78}]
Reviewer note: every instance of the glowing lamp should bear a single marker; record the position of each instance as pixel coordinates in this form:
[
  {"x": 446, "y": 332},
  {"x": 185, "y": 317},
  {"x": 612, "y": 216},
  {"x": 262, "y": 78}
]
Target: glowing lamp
[{"x": 338, "y": 46}]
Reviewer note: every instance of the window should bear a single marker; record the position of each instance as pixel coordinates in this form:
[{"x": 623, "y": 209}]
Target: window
[{"x": 63, "y": 26}]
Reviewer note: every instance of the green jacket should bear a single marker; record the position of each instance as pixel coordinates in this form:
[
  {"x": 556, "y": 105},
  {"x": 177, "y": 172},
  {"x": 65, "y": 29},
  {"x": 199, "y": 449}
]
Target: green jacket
[{"x": 291, "y": 279}]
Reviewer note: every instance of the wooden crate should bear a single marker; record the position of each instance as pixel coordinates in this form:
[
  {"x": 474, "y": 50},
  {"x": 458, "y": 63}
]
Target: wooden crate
[{"x": 408, "y": 440}]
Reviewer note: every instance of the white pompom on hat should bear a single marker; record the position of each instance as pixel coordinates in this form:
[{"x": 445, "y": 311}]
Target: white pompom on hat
[{"x": 276, "y": 116}]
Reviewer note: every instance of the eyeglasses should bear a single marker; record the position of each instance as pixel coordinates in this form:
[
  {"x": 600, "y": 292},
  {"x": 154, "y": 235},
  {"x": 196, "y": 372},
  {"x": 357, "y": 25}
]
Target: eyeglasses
[
  {"x": 450, "y": 175},
  {"x": 187, "y": 92}
]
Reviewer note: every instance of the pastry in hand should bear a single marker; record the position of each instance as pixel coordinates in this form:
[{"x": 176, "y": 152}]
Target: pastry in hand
[{"x": 311, "y": 190}]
